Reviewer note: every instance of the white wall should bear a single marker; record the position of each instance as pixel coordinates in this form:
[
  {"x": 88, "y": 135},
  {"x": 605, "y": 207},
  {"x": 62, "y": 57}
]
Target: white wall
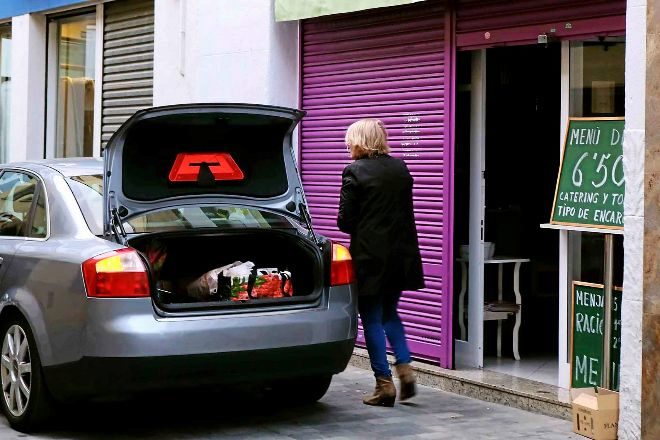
[
  {"x": 633, "y": 276},
  {"x": 28, "y": 87},
  {"x": 224, "y": 51}
]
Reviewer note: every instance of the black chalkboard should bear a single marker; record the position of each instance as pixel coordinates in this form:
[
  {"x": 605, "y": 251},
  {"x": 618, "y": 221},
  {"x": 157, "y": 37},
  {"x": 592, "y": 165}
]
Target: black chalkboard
[{"x": 587, "y": 335}]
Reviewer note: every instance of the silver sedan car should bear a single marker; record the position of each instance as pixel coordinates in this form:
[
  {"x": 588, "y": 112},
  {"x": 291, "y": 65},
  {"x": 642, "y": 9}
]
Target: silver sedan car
[{"x": 184, "y": 258}]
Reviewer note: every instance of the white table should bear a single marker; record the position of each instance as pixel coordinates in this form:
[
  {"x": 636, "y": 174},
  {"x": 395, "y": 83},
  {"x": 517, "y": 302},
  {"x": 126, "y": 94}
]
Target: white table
[{"x": 490, "y": 315}]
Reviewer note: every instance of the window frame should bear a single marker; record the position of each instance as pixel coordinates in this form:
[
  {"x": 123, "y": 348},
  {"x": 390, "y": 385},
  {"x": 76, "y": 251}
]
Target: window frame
[
  {"x": 52, "y": 89},
  {"x": 41, "y": 186},
  {"x": 4, "y": 26},
  {"x": 33, "y": 209}
]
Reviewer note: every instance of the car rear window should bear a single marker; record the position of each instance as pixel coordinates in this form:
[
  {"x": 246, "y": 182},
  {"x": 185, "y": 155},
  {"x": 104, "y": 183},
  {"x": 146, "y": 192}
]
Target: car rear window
[
  {"x": 201, "y": 217},
  {"x": 88, "y": 191}
]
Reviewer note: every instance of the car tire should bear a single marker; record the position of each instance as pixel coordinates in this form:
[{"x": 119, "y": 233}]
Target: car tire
[
  {"x": 20, "y": 369},
  {"x": 302, "y": 390}
]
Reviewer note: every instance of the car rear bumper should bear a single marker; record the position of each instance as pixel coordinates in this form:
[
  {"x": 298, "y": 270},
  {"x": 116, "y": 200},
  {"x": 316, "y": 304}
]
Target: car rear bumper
[
  {"x": 132, "y": 328},
  {"x": 128, "y": 347},
  {"x": 96, "y": 377}
]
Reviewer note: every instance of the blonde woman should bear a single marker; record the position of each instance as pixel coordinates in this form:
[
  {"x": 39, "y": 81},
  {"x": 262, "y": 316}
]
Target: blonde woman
[{"x": 376, "y": 209}]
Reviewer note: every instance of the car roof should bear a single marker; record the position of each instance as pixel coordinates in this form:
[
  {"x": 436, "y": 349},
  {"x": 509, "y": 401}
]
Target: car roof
[{"x": 75, "y": 166}]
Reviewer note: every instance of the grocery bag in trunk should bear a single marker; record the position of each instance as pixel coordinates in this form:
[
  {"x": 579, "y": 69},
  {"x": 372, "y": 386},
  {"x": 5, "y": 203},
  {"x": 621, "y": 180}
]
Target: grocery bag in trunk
[
  {"x": 239, "y": 276},
  {"x": 271, "y": 283}
]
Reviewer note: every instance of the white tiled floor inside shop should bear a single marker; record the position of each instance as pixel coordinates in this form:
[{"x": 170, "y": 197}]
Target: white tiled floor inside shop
[{"x": 539, "y": 368}]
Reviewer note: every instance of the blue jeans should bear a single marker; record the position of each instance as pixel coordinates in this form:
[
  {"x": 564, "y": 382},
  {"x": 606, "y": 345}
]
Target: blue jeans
[{"x": 380, "y": 318}]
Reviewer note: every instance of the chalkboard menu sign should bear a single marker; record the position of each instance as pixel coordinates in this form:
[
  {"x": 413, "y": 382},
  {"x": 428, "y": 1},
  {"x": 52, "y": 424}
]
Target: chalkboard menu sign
[
  {"x": 590, "y": 185},
  {"x": 587, "y": 335}
]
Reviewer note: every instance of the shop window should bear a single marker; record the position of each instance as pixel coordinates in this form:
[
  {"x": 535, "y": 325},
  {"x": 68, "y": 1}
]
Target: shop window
[
  {"x": 5, "y": 89},
  {"x": 597, "y": 78},
  {"x": 73, "y": 91}
]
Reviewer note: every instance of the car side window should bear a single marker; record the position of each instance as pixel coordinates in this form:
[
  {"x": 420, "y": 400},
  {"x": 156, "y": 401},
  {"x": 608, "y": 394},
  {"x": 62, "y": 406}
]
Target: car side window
[
  {"x": 16, "y": 195},
  {"x": 39, "y": 224}
]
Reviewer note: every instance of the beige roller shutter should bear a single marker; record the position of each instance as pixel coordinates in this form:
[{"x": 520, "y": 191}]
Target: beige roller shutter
[{"x": 128, "y": 62}]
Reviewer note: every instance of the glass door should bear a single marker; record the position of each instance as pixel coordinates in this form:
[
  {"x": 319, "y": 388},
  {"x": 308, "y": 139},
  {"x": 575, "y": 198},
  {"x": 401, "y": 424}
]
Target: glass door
[{"x": 470, "y": 283}]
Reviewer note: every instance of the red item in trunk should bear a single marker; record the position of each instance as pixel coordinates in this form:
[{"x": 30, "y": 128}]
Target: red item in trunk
[
  {"x": 267, "y": 286},
  {"x": 288, "y": 287},
  {"x": 241, "y": 294}
]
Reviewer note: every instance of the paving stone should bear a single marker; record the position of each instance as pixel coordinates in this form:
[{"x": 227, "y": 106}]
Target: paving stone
[{"x": 339, "y": 415}]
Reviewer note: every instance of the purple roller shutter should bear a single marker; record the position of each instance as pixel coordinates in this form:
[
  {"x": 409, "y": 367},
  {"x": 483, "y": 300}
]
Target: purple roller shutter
[
  {"x": 484, "y": 23},
  {"x": 393, "y": 64}
]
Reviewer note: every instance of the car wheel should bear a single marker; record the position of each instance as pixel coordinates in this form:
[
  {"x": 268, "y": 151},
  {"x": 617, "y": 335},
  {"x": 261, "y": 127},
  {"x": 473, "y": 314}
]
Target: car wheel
[
  {"x": 302, "y": 390},
  {"x": 25, "y": 399}
]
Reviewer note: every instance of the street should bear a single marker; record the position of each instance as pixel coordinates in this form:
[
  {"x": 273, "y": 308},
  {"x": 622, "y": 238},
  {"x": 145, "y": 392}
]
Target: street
[{"x": 340, "y": 414}]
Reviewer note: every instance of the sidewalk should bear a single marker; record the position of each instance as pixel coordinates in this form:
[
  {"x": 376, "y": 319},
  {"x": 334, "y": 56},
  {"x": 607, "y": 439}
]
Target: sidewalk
[
  {"x": 439, "y": 415},
  {"x": 486, "y": 385}
]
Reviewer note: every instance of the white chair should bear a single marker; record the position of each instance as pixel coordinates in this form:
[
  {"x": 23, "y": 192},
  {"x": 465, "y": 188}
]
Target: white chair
[{"x": 499, "y": 310}]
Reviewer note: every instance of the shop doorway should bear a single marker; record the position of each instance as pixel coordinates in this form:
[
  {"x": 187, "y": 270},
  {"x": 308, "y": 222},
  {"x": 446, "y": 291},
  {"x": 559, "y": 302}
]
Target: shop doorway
[
  {"x": 523, "y": 106},
  {"x": 508, "y": 120}
]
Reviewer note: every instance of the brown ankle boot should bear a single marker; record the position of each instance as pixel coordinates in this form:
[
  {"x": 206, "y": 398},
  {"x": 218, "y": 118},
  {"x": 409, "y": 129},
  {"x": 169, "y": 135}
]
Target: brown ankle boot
[
  {"x": 407, "y": 378},
  {"x": 384, "y": 394}
]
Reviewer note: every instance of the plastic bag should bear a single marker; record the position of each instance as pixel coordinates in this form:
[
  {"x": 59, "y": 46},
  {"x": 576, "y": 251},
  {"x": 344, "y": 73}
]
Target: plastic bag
[
  {"x": 208, "y": 285},
  {"x": 239, "y": 281},
  {"x": 287, "y": 287},
  {"x": 267, "y": 284},
  {"x": 239, "y": 275},
  {"x": 271, "y": 283}
]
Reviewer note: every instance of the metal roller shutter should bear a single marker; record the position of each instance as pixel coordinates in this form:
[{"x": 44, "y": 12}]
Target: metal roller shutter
[
  {"x": 484, "y": 23},
  {"x": 128, "y": 55},
  {"x": 392, "y": 64}
]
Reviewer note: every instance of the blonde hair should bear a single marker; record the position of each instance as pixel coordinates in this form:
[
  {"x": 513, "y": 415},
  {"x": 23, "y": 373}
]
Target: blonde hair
[{"x": 367, "y": 138}]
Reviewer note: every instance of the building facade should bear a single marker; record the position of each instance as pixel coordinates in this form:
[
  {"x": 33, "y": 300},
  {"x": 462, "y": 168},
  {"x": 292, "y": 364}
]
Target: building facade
[
  {"x": 78, "y": 69},
  {"x": 477, "y": 96}
]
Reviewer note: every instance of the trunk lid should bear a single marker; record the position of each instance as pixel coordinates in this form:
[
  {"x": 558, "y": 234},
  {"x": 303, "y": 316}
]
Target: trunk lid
[{"x": 193, "y": 154}]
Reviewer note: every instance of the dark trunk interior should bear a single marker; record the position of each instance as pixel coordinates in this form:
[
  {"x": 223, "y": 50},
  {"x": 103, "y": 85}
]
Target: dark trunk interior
[
  {"x": 191, "y": 256},
  {"x": 255, "y": 142}
]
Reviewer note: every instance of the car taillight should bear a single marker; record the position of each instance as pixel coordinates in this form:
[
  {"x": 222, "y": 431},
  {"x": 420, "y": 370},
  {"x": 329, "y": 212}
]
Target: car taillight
[
  {"x": 116, "y": 274},
  {"x": 341, "y": 268}
]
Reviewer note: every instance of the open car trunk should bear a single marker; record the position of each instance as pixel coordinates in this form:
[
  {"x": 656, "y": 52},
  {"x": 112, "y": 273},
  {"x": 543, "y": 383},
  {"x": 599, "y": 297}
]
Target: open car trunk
[
  {"x": 203, "y": 154},
  {"x": 287, "y": 269}
]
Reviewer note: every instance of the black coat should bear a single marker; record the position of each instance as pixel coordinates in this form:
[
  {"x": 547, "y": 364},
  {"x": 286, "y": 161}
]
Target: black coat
[{"x": 376, "y": 209}]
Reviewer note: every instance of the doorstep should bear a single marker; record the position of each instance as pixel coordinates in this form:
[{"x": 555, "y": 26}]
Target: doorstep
[{"x": 489, "y": 386}]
